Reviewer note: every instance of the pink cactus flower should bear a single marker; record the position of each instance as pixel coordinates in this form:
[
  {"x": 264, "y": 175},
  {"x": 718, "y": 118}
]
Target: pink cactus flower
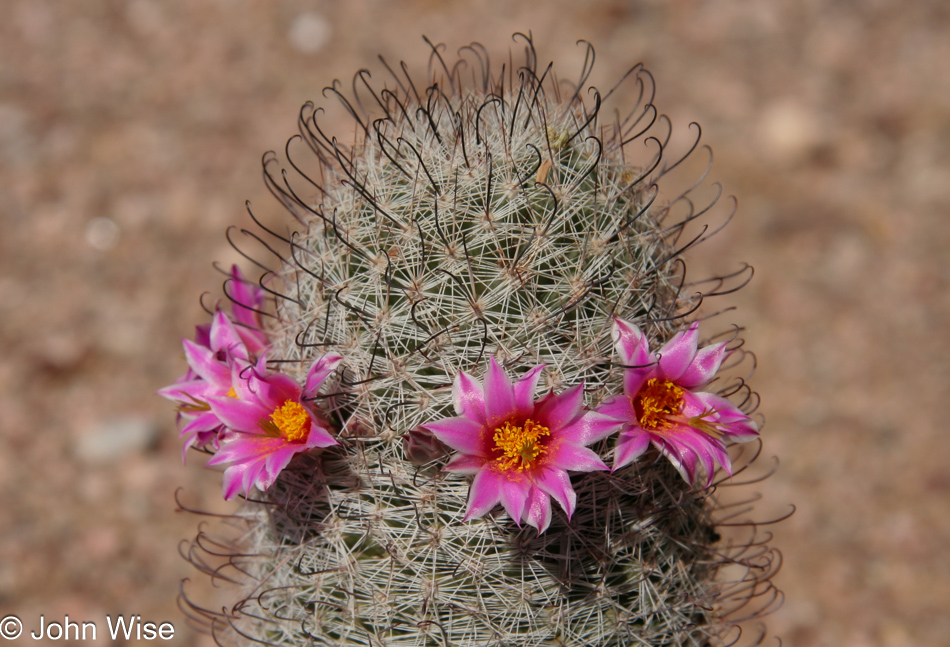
[
  {"x": 662, "y": 403},
  {"x": 520, "y": 450},
  {"x": 269, "y": 419},
  {"x": 211, "y": 357}
]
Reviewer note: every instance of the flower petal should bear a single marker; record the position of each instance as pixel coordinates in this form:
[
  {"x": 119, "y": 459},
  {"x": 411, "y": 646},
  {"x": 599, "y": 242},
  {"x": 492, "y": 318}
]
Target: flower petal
[
  {"x": 188, "y": 391},
  {"x": 677, "y": 354},
  {"x": 538, "y": 511},
  {"x": 704, "y": 366},
  {"x": 461, "y": 434},
  {"x": 635, "y": 378},
  {"x": 514, "y": 496},
  {"x": 203, "y": 335},
  {"x": 524, "y": 390},
  {"x": 233, "y": 476},
  {"x": 485, "y": 493},
  {"x": 205, "y": 421},
  {"x": 559, "y": 411},
  {"x": 275, "y": 389},
  {"x": 224, "y": 337},
  {"x": 683, "y": 458},
  {"x": 590, "y": 427},
  {"x": 245, "y": 298},
  {"x": 256, "y": 476},
  {"x": 277, "y": 460},
  {"x": 558, "y": 484},
  {"x": 321, "y": 369},
  {"x": 203, "y": 362},
  {"x": 465, "y": 464},
  {"x": 731, "y": 421},
  {"x": 568, "y": 456},
  {"x": 707, "y": 449},
  {"x": 319, "y": 437},
  {"x": 631, "y": 344},
  {"x": 499, "y": 394},
  {"x": 631, "y": 443},
  {"x": 240, "y": 415},
  {"x": 619, "y": 407},
  {"x": 468, "y": 397}
]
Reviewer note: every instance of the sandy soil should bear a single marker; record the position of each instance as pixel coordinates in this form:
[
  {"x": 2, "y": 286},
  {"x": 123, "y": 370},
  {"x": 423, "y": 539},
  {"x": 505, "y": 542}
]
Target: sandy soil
[{"x": 131, "y": 134}]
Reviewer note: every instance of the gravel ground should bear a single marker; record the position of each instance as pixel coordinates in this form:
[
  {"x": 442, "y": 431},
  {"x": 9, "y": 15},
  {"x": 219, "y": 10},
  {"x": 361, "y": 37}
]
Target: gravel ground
[{"x": 131, "y": 134}]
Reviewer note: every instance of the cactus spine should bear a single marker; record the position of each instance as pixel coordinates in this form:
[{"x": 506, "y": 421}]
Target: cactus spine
[{"x": 475, "y": 215}]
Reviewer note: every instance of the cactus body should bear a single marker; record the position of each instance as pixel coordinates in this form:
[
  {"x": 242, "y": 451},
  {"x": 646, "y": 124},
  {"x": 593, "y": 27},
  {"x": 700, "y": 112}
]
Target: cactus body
[{"x": 495, "y": 217}]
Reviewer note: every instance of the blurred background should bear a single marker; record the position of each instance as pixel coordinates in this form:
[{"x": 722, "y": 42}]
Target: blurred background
[{"x": 131, "y": 133}]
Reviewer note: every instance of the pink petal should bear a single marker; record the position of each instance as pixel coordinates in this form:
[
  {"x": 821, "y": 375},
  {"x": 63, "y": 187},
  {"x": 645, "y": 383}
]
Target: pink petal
[
  {"x": 224, "y": 338},
  {"x": 538, "y": 512},
  {"x": 278, "y": 459},
  {"x": 239, "y": 415},
  {"x": 276, "y": 389},
  {"x": 568, "y": 456},
  {"x": 703, "y": 367},
  {"x": 631, "y": 443},
  {"x": 524, "y": 390},
  {"x": 559, "y": 411},
  {"x": 319, "y": 437},
  {"x": 203, "y": 362},
  {"x": 619, "y": 407},
  {"x": 468, "y": 397},
  {"x": 514, "y": 496},
  {"x": 590, "y": 427},
  {"x": 231, "y": 484},
  {"x": 704, "y": 453},
  {"x": 206, "y": 421},
  {"x": 722, "y": 457},
  {"x": 244, "y": 295},
  {"x": 734, "y": 424},
  {"x": 256, "y": 476},
  {"x": 465, "y": 464},
  {"x": 193, "y": 432},
  {"x": 485, "y": 493},
  {"x": 203, "y": 335},
  {"x": 635, "y": 378},
  {"x": 631, "y": 344},
  {"x": 253, "y": 339},
  {"x": 461, "y": 434},
  {"x": 707, "y": 449},
  {"x": 499, "y": 394},
  {"x": 241, "y": 375},
  {"x": 683, "y": 459},
  {"x": 187, "y": 392},
  {"x": 558, "y": 484},
  {"x": 321, "y": 369},
  {"x": 678, "y": 353}
]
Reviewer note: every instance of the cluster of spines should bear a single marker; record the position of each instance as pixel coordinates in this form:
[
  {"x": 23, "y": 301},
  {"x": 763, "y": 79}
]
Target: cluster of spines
[{"x": 451, "y": 197}]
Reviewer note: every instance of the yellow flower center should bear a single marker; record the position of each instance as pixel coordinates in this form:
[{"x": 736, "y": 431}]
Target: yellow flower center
[
  {"x": 291, "y": 420},
  {"x": 519, "y": 446},
  {"x": 232, "y": 393},
  {"x": 656, "y": 402}
]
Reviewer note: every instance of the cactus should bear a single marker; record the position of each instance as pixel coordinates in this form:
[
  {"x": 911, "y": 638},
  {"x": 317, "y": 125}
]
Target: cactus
[{"x": 484, "y": 214}]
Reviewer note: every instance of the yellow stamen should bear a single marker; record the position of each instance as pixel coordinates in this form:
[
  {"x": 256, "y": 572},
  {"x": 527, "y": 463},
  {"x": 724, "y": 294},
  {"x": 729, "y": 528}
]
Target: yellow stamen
[
  {"x": 656, "y": 403},
  {"x": 232, "y": 393},
  {"x": 519, "y": 446},
  {"x": 292, "y": 420}
]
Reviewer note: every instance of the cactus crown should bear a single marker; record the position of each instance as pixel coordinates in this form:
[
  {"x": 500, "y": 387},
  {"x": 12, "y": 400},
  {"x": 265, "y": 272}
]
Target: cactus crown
[{"x": 476, "y": 215}]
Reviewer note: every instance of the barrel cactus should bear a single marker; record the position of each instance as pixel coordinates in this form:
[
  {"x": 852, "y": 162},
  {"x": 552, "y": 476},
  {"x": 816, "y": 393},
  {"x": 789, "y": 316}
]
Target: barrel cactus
[{"x": 478, "y": 309}]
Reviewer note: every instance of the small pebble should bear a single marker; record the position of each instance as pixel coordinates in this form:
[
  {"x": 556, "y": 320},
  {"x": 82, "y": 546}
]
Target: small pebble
[
  {"x": 116, "y": 438},
  {"x": 309, "y": 33}
]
